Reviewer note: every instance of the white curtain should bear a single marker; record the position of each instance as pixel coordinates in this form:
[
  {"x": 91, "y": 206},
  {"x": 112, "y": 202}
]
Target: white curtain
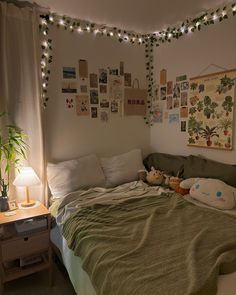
[{"x": 20, "y": 85}]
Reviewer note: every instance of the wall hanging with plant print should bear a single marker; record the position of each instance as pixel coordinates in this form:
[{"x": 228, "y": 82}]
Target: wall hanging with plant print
[{"x": 210, "y": 122}]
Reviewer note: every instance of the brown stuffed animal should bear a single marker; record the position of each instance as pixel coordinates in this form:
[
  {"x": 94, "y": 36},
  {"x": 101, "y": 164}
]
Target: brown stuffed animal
[{"x": 155, "y": 177}]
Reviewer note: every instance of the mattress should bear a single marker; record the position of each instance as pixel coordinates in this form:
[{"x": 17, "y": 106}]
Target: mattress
[{"x": 82, "y": 283}]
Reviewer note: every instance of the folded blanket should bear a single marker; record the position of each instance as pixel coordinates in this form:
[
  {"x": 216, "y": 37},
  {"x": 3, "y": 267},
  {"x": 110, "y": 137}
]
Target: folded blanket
[{"x": 148, "y": 243}]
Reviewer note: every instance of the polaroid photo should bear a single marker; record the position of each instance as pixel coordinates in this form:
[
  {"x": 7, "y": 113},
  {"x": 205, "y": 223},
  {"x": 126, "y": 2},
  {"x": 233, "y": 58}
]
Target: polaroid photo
[
  {"x": 69, "y": 73},
  {"x": 176, "y": 90},
  {"x": 184, "y": 99},
  {"x": 102, "y": 74},
  {"x": 127, "y": 77},
  {"x": 183, "y": 126},
  {"x": 69, "y": 87},
  {"x": 83, "y": 88},
  {"x": 82, "y": 105},
  {"x": 169, "y": 102},
  {"x": 94, "y": 112},
  {"x": 114, "y": 106},
  {"x": 184, "y": 86},
  {"x": 104, "y": 103},
  {"x": 93, "y": 96},
  {"x": 103, "y": 89},
  {"x": 93, "y": 79},
  {"x": 163, "y": 93},
  {"x": 104, "y": 116}
]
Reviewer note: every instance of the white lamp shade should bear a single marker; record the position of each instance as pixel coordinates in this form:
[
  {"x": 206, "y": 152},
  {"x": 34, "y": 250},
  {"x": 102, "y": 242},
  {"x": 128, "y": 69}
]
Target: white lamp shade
[{"x": 26, "y": 177}]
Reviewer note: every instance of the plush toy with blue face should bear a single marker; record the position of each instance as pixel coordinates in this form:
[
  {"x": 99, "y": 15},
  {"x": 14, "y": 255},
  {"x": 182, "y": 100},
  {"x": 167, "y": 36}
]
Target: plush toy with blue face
[{"x": 212, "y": 192}]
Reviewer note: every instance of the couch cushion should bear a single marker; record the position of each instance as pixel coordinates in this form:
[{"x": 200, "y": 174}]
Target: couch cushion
[
  {"x": 165, "y": 162},
  {"x": 199, "y": 167}
]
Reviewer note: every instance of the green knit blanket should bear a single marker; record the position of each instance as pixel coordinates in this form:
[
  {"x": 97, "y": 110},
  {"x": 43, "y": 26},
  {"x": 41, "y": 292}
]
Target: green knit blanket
[{"x": 152, "y": 245}]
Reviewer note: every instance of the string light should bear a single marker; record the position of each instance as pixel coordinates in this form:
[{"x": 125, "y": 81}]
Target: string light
[
  {"x": 79, "y": 29},
  {"x": 215, "y": 16},
  {"x": 111, "y": 34},
  {"x": 61, "y": 22},
  {"x": 88, "y": 28},
  {"x": 51, "y": 18},
  {"x": 234, "y": 8}
]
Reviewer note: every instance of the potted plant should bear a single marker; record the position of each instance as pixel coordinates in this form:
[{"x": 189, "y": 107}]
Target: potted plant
[
  {"x": 228, "y": 105},
  {"x": 12, "y": 149},
  {"x": 225, "y": 124},
  {"x": 209, "y": 107},
  {"x": 208, "y": 133},
  {"x": 226, "y": 84}
]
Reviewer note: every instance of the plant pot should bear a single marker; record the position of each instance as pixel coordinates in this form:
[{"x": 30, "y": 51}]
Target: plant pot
[
  {"x": 209, "y": 143},
  {"x": 225, "y": 132},
  {"x": 4, "y": 204}
]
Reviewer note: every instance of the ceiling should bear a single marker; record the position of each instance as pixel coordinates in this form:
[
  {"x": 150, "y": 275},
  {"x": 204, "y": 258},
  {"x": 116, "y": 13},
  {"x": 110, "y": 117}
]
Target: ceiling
[{"x": 137, "y": 15}]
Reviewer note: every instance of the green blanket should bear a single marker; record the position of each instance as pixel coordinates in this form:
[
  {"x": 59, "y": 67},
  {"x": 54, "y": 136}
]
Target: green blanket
[{"x": 152, "y": 245}]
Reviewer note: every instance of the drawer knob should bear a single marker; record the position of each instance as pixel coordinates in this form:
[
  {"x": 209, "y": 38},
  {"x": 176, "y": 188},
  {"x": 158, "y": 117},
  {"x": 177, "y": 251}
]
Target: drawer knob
[{"x": 26, "y": 239}]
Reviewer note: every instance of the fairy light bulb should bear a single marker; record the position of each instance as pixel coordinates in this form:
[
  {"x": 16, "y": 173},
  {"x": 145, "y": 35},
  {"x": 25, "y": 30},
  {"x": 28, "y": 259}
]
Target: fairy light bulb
[
  {"x": 61, "y": 22},
  {"x": 111, "y": 34},
  {"x": 43, "y": 74},
  {"x": 43, "y": 63},
  {"x": 215, "y": 16},
  {"x": 44, "y": 85},
  {"x": 119, "y": 34},
  {"x": 182, "y": 29},
  {"x": 45, "y": 44},
  {"x": 71, "y": 27},
  {"x": 88, "y": 28},
  {"x": 169, "y": 35},
  {"x": 79, "y": 29},
  {"x": 234, "y": 8},
  {"x": 51, "y": 18},
  {"x": 140, "y": 40}
]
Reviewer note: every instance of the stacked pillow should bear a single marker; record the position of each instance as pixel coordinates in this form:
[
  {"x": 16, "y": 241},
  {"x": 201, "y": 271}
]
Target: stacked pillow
[{"x": 89, "y": 171}]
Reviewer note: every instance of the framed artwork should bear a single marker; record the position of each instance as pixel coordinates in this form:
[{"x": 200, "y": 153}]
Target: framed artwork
[
  {"x": 210, "y": 121},
  {"x": 12, "y": 205}
]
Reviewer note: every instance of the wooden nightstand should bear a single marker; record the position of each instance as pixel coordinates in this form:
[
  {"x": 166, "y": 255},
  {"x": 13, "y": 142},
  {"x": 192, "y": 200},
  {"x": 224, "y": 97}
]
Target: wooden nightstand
[{"x": 25, "y": 249}]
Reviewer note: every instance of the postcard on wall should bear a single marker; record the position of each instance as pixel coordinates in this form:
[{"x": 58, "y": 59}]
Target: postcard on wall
[
  {"x": 116, "y": 87},
  {"x": 184, "y": 86},
  {"x": 104, "y": 103},
  {"x": 70, "y": 103},
  {"x": 176, "y": 90},
  {"x": 102, "y": 74},
  {"x": 104, "y": 116},
  {"x": 114, "y": 72},
  {"x": 181, "y": 78},
  {"x": 115, "y": 106},
  {"x": 82, "y": 105},
  {"x": 169, "y": 102},
  {"x": 166, "y": 114},
  {"x": 127, "y": 77},
  {"x": 184, "y": 112},
  {"x": 163, "y": 76},
  {"x": 163, "y": 93},
  {"x": 183, "y": 126},
  {"x": 103, "y": 89},
  {"x": 169, "y": 87},
  {"x": 157, "y": 116},
  {"x": 211, "y": 115},
  {"x": 69, "y": 73},
  {"x": 83, "y": 68},
  {"x": 184, "y": 99},
  {"x": 69, "y": 87},
  {"x": 93, "y": 96},
  {"x": 83, "y": 89},
  {"x": 176, "y": 103},
  {"x": 173, "y": 118},
  {"x": 121, "y": 68},
  {"x": 94, "y": 112},
  {"x": 93, "y": 80}
]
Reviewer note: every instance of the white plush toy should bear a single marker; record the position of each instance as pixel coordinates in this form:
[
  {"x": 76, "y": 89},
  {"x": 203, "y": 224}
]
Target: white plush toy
[
  {"x": 212, "y": 192},
  {"x": 155, "y": 177}
]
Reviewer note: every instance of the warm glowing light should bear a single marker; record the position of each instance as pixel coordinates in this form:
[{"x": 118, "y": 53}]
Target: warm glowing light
[
  {"x": 169, "y": 35},
  {"x": 61, "y": 22},
  {"x": 215, "y": 16},
  {"x": 140, "y": 40},
  {"x": 51, "y": 18},
  {"x": 79, "y": 29},
  {"x": 111, "y": 34},
  {"x": 88, "y": 28}
]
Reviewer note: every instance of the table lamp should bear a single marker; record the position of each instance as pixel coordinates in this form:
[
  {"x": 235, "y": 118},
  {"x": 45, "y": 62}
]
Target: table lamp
[{"x": 27, "y": 177}]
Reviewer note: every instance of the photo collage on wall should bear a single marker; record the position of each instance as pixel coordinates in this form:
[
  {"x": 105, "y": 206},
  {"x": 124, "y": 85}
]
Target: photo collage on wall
[
  {"x": 170, "y": 100},
  {"x": 99, "y": 94}
]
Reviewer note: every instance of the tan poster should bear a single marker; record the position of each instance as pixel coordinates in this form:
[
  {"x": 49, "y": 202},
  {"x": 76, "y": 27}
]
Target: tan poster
[
  {"x": 83, "y": 68},
  {"x": 82, "y": 105},
  {"x": 163, "y": 77},
  {"x": 210, "y": 121}
]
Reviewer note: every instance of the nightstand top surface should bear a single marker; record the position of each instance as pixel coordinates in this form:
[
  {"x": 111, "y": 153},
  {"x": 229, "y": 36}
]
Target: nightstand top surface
[{"x": 22, "y": 214}]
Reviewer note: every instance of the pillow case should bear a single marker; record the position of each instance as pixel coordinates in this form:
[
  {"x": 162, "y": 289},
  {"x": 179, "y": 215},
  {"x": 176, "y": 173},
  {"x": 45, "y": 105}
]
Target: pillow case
[
  {"x": 122, "y": 168},
  {"x": 199, "y": 167},
  {"x": 68, "y": 176},
  {"x": 212, "y": 192},
  {"x": 165, "y": 162}
]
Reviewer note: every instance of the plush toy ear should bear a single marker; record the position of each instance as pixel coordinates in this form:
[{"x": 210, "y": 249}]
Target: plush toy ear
[
  {"x": 188, "y": 183},
  {"x": 152, "y": 168}
]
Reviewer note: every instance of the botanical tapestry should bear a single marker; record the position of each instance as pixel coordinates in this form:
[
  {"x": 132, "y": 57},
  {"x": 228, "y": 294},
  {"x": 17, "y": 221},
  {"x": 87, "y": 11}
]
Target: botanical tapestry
[{"x": 210, "y": 122}]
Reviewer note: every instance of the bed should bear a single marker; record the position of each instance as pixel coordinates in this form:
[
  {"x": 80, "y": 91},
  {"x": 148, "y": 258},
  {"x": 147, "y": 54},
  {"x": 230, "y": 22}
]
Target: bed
[{"x": 155, "y": 256}]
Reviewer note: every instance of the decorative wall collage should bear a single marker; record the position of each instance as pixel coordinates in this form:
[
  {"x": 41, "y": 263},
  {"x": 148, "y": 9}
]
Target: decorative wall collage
[
  {"x": 102, "y": 94},
  {"x": 202, "y": 106}
]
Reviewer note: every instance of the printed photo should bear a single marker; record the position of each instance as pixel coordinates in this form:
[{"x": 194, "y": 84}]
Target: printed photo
[
  {"x": 83, "y": 88},
  {"x": 127, "y": 77},
  {"x": 93, "y": 78},
  {"x": 157, "y": 116},
  {"x": 94, "y": 112},
  {"x": 114, "y": 72},
  {"x": 121, "y": 68},
  {"x": 176, "y": 103},
  {"x": 102, "y": 76},
  {"x": 181, "y": 78},
  {"x": 163, "y": 93},
  {"x": 169, "y": 103},
  {"x": 176, "y": 90},
  {"x": 103, "y": 89},
  {"x": 173, "y": 118},
  {"x": 69, "y": 103},
  {"x": 69, "y": 73},
  {"x": 184, "y": 86},
  {"x": 104, "y": 103},
  {"x": 114, "y": 106},
  {"x": 116, "y": 87},
  {"x": 104, "y": 116},
  {"x": 93, "y": 96},
  {"x": 183, "y": 126},
  {"x": 69, "y": 87},
  {"x": 184, "y": 99},
  {"x": 82, "y": 105},
  {"x": 169, "y": 87},
  {"x": 184, "y": 112}
]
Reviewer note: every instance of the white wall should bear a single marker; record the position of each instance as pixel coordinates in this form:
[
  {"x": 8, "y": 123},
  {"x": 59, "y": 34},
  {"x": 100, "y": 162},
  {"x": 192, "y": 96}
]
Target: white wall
[
  {"x": 69, "y": 136},
  {"x": 190, "y": 55}
]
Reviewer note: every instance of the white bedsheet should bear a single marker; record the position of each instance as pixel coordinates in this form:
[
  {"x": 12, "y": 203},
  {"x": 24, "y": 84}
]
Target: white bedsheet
[{"x": 82, "y": 283}]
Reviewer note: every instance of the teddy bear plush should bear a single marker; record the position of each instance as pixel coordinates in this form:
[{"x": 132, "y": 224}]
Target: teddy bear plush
[{"x": 155, "y": 177}]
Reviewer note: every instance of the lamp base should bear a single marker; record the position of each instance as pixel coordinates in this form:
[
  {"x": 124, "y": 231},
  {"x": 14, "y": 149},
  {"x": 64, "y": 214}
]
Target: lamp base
[{"x": 28, "y": 203}]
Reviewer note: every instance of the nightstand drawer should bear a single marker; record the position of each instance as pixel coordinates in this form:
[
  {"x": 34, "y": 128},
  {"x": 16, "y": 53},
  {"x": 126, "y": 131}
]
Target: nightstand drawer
[{"x": 24, "y": 246}]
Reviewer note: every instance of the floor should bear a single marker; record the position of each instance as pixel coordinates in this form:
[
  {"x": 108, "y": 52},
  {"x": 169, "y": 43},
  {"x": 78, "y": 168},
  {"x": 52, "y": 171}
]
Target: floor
[{"x": 37, "y": 284}]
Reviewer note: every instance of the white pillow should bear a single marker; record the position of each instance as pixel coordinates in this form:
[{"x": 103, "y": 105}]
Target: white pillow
[
  {"x": 214, "y": 192},
  {"x": 68, "y": 176},
  {"x": 122, "y": 168}
]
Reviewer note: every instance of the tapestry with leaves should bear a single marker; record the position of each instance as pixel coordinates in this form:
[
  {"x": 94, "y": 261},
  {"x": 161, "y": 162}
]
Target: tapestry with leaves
[{"x": 211, "y": 111}]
